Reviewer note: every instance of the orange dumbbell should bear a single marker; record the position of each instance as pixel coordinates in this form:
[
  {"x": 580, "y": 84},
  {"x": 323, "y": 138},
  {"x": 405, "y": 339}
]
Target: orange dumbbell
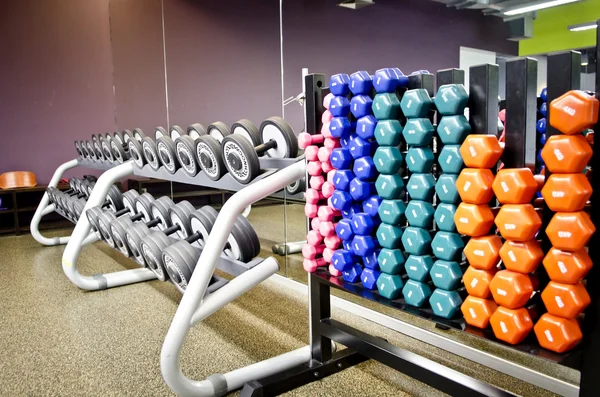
[
  {"x": 565, "y": 300},
  {"x": 570, "y": 231},
  {"x": 567, "y": 192},
  {"x": 483, "y": 252},
  {"x": 481, "y": 151},
  {"x": 475, "y": 185},
  {"x": 566, "y": 154},
  {"x": 473, "y": 220},
  {"x": 477, "y": 281},
  {"x": 522, "y": 257},
  {"x": 512, "y": 289},
  {"x": 511, "y": 325},
  {"x": 567, "y": 267},
  {"x": 573, "y": 112},
  {"x": 477, "y": 311},
  {"x": 518, "y": 222},
  {"x": 556, "y": 333},
  {"x": 516, "y": 185}
]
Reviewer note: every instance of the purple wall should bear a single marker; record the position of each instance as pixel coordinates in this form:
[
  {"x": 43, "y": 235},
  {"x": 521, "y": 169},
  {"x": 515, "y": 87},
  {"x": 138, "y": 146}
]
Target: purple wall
[
  {"x": 222, "y": 60},
  {"x": 56, "y": 81},
  {"x": 138, "y": 64},
  {"x": 409, "y": 34}
]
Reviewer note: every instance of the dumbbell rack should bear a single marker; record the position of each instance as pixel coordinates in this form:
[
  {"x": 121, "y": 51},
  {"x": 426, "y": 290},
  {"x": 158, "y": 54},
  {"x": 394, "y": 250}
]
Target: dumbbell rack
[{"x": 562, "y": 76}]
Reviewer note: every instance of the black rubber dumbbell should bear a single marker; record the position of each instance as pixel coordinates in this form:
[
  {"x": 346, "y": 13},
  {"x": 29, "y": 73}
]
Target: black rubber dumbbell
[{"x": 185, "y": 146}]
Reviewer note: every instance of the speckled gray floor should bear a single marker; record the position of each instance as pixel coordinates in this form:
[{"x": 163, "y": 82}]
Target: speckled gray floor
[{"x": 58, "y": 340}]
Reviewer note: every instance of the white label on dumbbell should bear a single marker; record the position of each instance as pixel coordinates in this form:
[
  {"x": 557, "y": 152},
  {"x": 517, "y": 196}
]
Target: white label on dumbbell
[
  {"x": 504, "y": 186},
  {"x": 478, "y": 253},
  {"x": 559, "y": 155},
  {"x": 409, "y": 294},
  {"x": 356, "y": 247},
  {"x": 413, "y": 268},
  {"x": 448, "y": 132},
  {"x": 558, "y": 194},
  {"x": 472, "y": 151},
  {"x": 439, "y": 275},
  {"x": 512, "y": 256},
  {"x": 562, "y": 267},
  {"x": 467, "y": 186},
  {"x": 382, "y": 236},
  {"x": 564, "y": 234},
  {"x": 442, "y": 218},
  {"x": 342, "y": 231},
  {"x": 383, "y": 185},
  {"x": 501, "y": 292},
  {"x": 355, "y": 106},
  {"x": 439, "y": 249},
  {"x": 409, "y": 103},
  {"x": 472, "y": 312},
  {"x": 510, "y": 226},
  {"x": 414, "y": 213},
  {"x": 463, "y": 220},
  {"x": 382, "y": 286},
  {"x": 360, "y": 168},
  {"x": 380, "y": 161},
  {"x": 411, "y": 132},
  {"x": 559, "y": 301},
  {"x": 409, "y": 241},
  {"x": 414, "y": 186},
  {"x": 439, "y": 305},
  {"x": 474, "y": 283},
  {"x": 503, "y": 326},
  {"x": 384, "y": 261},
  {"x": 412, "y": 160},
  {"x": 445, "y": 188},
  {"x": 449, "y": 159},
  {"x": 569, "y": 110},
  {"x": 377, "y": 105},
  {"x": 548, "y": 335},
  {"x": 386, "y": 212}
]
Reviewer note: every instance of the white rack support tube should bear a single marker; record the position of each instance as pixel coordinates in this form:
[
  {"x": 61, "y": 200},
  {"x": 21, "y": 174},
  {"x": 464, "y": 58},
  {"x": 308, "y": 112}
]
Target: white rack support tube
[
  {"x": 193, "y": 309},
  {"x": 44, "y": 209},
  {"x": 81, "y": 236}
]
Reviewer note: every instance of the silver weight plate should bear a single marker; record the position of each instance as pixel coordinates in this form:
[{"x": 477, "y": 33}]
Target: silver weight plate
[
  {"x": 186, "y": 157},
  {"x": 166, "y": 156},
  {"x": 136, "y": 154}
]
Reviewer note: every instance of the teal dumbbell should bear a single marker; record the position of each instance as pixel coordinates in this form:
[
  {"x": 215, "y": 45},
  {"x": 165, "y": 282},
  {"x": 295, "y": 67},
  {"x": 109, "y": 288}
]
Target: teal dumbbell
[
  {"x": 445, "y": 303},
  {"x": 420, "y": 214},
  {"x": 444, "y": 217},
  {"x": 421, "y": 187},
  {"x": 389, "y": 186},
  {"x": 391, "y": 261},
  {"x": 445, "y": 245},
  {"x": 391, "y": 211},
  {"x": 419, "y": 159},
  {"x": 418, "y": 132},
  {"x": 389, "y": 236},
  {"x": 416, "y": 103},
  {"x": 418, "y": 267},
  {"x": 386, "y": 106},
  {"x": 450, "y": 159},
  {"x": 451, "y": 99},
  {"x": 416, "y": 241},
  {"x": 388, "y": 159},
  {"x": 453, "y": 130},
  {"x": 388, "y": 133},
  {"x": 445, "y": 188},
  {"x": 446, "y": 274},
  {"x": 416, "y": 293},
  {"x": 390, "y": 285}
]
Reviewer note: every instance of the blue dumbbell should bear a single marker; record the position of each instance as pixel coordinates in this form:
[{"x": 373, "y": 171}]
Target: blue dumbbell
[
  {"x": 341, "y": 158},
  {"x": 339, "y": 106},
  {"x": 355, "y": 208},
  {"x": 361, "y": 190},
  {"x": 543, "y": 139},
  {"x": 345, "y": 141},
  {"x": 371, "y": 260},
  {"x": 343, "y": 229},
  {"x": 340, "y": 127},
  {"x": 342, "y": 260},
  {"x": 540, "y": 126},
  {"x": 360, "y": 106},
  {"x": 371, "y": 206},
  {"x": 385, "y": 80},
  {"x": 544, "y": 109},
  {"x": 352, "y": 275},
  {"x": 347, "y": 245},
  {"x": 359, "y": 147},
  {"x": 361, "y": 82},
  {"x": 365, "y": 127},
  {"x": 444, "y": 303},
  {"x": 341, "y": 200},
  {"x": 544, "y": 94},
  {"x": 402, "y": 78},
  {"x": 339, "y": 84},
  {"x": 363, "y": 245},
  {"x": 369, "y": 278},
  {"x": 362, "y": 224},
  {"x": 364, "y": 169},
  {"x": 416, "y": 293},
  {"x": 418, "y": 267},
  {"x": 342, "y": 179}
]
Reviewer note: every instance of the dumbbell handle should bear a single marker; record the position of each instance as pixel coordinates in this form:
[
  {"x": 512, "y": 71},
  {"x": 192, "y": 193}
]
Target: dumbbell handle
[
  {"x": 172, "y": 229},
  {"x": 122, "y": 211},
  {"x": 261, "y": 149}
]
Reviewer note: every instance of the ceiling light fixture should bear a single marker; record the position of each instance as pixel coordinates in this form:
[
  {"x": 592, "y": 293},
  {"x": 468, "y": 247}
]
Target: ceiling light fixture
[
  {"x": 534, "y": 7},
  {"x": 583, "y": 26}
]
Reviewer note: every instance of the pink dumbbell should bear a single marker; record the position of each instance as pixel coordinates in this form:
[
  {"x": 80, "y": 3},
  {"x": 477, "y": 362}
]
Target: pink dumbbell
[
  {"x": 325, "y": 131},
  {"x": 327, "y": 214},
  {"x": 332, "y": 143},
  {"x": 313, "y": 237},
  {"x": 324, "y": 154},
  {"x": 312, "y": 153},
  {"x": 316, "y": 182},
  {"x": 334, "y": 272},
  {"x": 327, "y": 167},
  {"x": 311, "y": 265},
  {"x": 315, "y": 223},
  {"x": 305, "y": 139},
  {"x": 327, "y": 100},
  {"x": 327, "y": 228},
  {"x": 313, "y": 196},
  {"x": 312, "y": 251},
  {"x": 332, "y": 242},
  {"x": 327, "y": 189},
  {"x": 314, "y": 168},
  {"x": 326, "y": 116},
  {"x": 330, "y": 176},
  {"x": 311, "y": 210},
  {"x": 327, "y": 254}
]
